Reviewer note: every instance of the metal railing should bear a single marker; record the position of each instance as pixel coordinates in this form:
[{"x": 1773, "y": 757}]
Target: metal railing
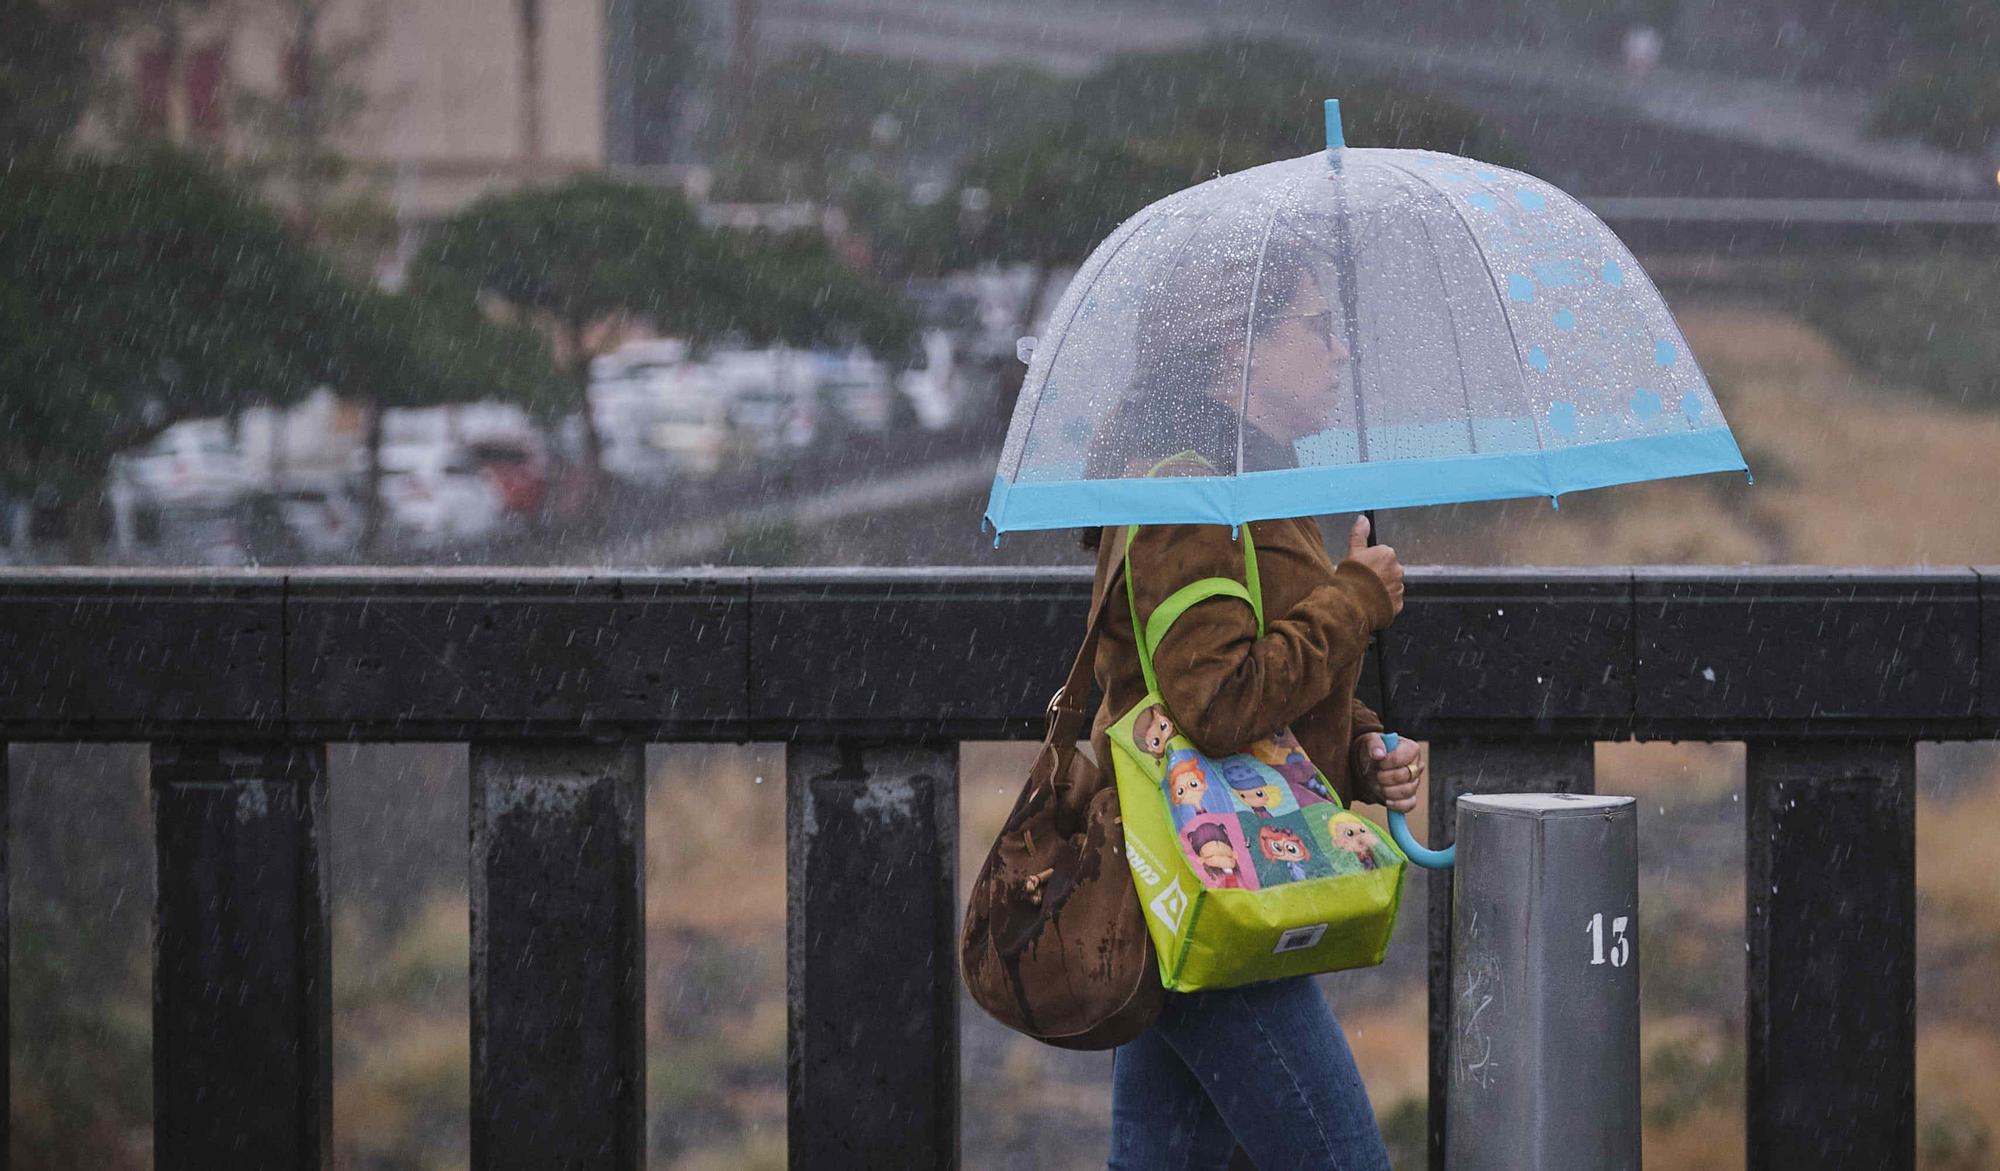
[{"x": 238, "y": 680}]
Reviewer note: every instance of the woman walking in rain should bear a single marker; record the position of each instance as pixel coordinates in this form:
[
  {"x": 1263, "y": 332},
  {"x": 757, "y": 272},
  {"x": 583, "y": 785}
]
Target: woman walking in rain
[
  {"x": 1264, "y": 1066},
  {"x": 1198, "y": 375}
]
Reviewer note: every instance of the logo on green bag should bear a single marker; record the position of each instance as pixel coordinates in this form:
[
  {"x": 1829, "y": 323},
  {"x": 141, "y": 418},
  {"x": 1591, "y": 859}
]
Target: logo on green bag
[
  {"x": 1170, "y": 904},
  {"x": 1300, "y": 938},
  {"x": 1142, "y": 865}
]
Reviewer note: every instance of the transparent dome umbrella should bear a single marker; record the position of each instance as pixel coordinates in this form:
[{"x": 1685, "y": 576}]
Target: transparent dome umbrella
[
  {"x": 1348, "y": 331},
  {"x": 1356, "y": 329}
]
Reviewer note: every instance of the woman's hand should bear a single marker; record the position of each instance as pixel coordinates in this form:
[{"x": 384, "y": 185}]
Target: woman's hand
[
  {"x": 1380, "y": 560},
  {"x": 1392, "y": 778}
]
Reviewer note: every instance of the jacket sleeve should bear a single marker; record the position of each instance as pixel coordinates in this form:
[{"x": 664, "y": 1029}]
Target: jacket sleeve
[
  {"x": 1224, "y": 685},
  {"x": 1365, "y": 721}
]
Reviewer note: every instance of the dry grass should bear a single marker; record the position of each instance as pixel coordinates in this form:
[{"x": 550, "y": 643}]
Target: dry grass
[{"x": 1849, "y": 473}]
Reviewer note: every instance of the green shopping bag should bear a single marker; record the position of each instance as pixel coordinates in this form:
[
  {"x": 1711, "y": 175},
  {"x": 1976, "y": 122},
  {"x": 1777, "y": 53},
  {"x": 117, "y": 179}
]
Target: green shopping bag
[{"x": 1248, "y": 865}]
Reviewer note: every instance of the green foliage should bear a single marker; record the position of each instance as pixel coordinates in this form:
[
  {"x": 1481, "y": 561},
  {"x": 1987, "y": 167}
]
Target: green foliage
[
  {"x": 1406, "y": 1132},
  {"x": 1147, "y": 125},
  {"x": 1687, "y": 1075},
  {"x": 1957, "y": 108},
  {"x": 1943, "y": 89},
  {"x": 449, "y": 342},
  {"x": 1953, "y": 1137},
  {"x": 44, "y": 61},
  {"x": 809, "y": 132},
  {"x": 1923, "y": 322},
  {"x": 584, "y": 250},
  {"x": 1056, "y": 194},
  {"x": 1235, "y": 103},
  {"x": 592, "y": 248},
  {"x": 806, "y": 295},
  {"x": 148, "y": 291},
  {"x": 145, "y": 291}
]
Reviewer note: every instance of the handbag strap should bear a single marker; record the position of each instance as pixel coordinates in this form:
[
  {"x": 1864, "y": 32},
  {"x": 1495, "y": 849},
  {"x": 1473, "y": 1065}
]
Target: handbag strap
[
  {"x": 1149, "y": 634},
  {"x": 1066, "y": 707}
]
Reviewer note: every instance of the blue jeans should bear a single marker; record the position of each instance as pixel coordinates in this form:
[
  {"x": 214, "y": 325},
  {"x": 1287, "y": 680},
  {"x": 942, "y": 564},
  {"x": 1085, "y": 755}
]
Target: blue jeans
[{"x": 1265, "y": 1065}]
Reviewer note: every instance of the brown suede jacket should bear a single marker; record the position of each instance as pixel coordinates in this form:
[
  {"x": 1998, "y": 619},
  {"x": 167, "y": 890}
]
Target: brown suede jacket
[{"x": 1223, "y": 685}]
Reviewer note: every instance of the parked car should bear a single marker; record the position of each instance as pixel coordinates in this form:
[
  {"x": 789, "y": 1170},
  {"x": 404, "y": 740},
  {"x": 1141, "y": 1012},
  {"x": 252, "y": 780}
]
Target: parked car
[
  {"x": 623, "y": 414},
  {"x": 434, "y": 495},
  {"x": 518, "y": 467},
  {"x": 769, "y": 397},
  {"x": 692, "y": 428},
  {"x": 323, "y": 520},
  {"x": 936, "y": 389},
  {"x": 192, "y": 463},
  {"x": 855, "y": 391},
  {"x": 772, "y": 421}
]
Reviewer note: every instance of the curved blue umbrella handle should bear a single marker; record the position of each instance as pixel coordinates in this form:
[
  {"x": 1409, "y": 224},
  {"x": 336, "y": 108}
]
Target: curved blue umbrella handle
[{"x": 1399, "y": 829}]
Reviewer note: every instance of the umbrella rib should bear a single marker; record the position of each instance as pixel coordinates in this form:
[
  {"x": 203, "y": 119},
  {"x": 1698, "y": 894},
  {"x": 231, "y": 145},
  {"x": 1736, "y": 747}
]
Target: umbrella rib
[
  {"x": 1541, "y": 444},
  {"x": 1437, "y": 266},
  {"x": 1139, "y": 220},
  {"x": 1250, "y": 323}
]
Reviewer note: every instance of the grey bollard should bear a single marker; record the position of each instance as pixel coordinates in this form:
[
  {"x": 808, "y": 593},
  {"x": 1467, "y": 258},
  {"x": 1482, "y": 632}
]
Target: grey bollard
[{"x": 1544, "y": 1042}]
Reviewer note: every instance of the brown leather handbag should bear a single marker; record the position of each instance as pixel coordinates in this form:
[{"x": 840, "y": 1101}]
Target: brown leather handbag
[{"x": 1055, "y": 942}]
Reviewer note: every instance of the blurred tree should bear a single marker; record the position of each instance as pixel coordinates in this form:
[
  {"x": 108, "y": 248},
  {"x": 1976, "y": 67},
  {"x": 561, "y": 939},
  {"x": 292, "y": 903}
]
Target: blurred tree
[
  {"x": 320, "y": 91},
  {"x": 1149, "y": 124},
  {"x": 44, "y": 75},
  {"x": 1944, "y": 90},
  {"x": 824, "y": 121},
  {"x": 1234, "y": 103},
  {"x": 807, "y": 295},
  {"x": 570, "y": 257},
  {"x": 148, "y": 291}
]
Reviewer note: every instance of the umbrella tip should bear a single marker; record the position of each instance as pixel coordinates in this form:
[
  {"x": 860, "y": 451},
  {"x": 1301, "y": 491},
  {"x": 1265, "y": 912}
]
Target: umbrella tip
[{"x": 1336, "y": 138}]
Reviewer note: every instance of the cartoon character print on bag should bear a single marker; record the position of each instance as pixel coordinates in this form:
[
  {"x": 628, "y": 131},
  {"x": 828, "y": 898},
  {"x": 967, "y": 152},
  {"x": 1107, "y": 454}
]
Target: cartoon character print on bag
[
  {"x": 1258, "y": 789},
  {"x": 1355, "y": 845},
  {"x": 1283, "y": 849},
  {"x": 1214, "y": 848},
  {"x": 1282, "y": 751},
  {"x": 1192, "y": 787},
  {"x": 1151, "y": 729}
]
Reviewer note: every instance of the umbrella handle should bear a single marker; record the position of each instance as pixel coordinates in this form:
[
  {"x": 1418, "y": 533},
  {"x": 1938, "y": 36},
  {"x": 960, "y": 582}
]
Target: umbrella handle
[{"x": 1399, "y": 829}]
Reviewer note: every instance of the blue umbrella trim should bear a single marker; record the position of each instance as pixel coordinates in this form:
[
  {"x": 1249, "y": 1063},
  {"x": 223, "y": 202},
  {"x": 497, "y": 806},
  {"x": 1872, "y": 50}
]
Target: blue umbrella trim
[{"x": 1405, "y": 483}]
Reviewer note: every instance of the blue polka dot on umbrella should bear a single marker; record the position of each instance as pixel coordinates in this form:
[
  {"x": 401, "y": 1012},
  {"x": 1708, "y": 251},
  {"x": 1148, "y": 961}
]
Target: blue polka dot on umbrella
[
  {"x": 1664, "y": 354},
  {"x": 1519, "y": 287},
  {"x": 1538, "y": 358},
  {"x": 1530, "y": 200},
  {"x": 1612, "y": 274},
  {"x": 1564, "y": 319},
  {"x": 1562, "y": 418},
  {"x": 1691, "y": 407},
  {"x": 1645, "y": 404},
  {"x": 1483, "y": 201}
]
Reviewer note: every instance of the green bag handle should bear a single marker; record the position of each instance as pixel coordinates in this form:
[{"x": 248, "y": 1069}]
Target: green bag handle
[{"x": 1149, "y": 633}]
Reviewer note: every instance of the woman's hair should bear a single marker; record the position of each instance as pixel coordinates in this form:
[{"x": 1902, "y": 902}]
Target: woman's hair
[{"x": 1169, "y": 408}]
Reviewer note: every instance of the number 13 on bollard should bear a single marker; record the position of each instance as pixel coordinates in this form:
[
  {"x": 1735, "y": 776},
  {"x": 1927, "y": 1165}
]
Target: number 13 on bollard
[{"x": 1543, "y": 1050}]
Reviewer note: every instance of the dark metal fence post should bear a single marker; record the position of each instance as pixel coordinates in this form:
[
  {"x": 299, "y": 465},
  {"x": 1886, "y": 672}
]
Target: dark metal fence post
[
  {"x": 242, "y": 1065},
  {"x": 558, "y": 971},
  {"x": 1831, "y": 917},
  {"x": 1479, "y": 766},
  {"x": 6, "y": 966},
  {"x": 871, "y": 847}
]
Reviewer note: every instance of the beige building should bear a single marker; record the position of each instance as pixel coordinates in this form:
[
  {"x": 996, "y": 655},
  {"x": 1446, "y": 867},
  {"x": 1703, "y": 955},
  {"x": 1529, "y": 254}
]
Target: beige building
[{"x": 437, "y": 100}]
